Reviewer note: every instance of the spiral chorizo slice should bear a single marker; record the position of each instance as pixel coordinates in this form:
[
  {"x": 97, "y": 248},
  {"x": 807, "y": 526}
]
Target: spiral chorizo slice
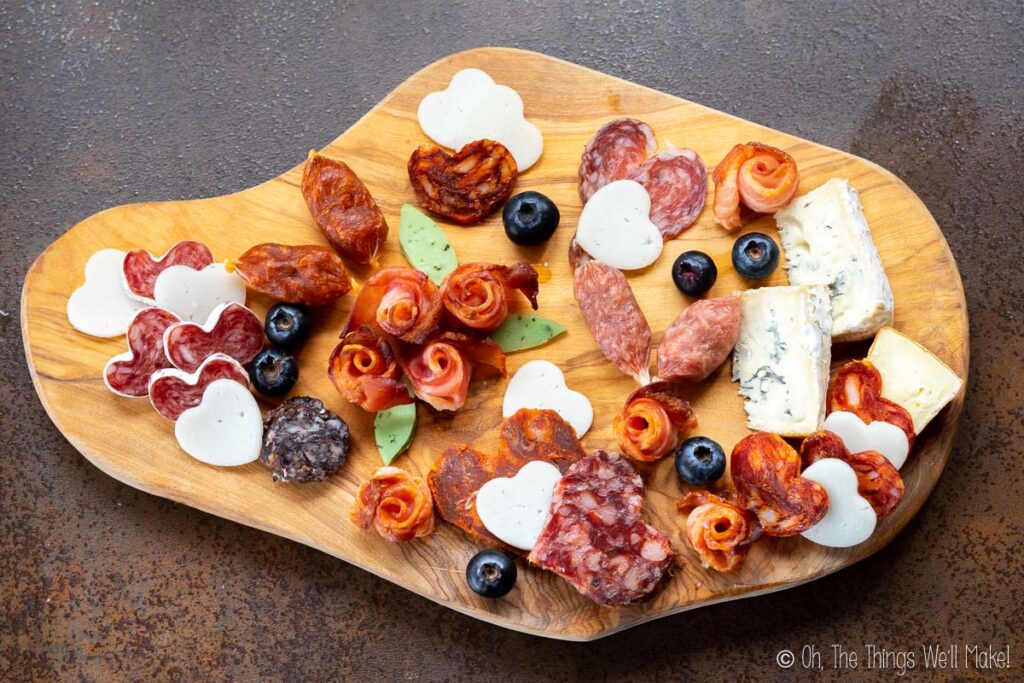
[
  {"x": 720, "y": 531},
  {"x": 614, "y": 152},
  {"x": 476, "y": 294},
  {"x": 464, "y": 187},
  {"x": 857, "y": 389},
  {"x": 364, "y": 369},
  {"x": 878, "y": 482},
  {"x": 400, "y": 300},
  {"x": 306, "y": 274},
  {"x": 653, "y": 421},
  {"x": 396, "y": 504},
  {"x": 762, "y": 178},
  {"x": 343, "y": 208}
]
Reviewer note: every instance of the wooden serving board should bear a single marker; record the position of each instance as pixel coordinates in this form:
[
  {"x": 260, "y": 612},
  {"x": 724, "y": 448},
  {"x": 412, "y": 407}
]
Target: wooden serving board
[{"x": 129, "y": 441}]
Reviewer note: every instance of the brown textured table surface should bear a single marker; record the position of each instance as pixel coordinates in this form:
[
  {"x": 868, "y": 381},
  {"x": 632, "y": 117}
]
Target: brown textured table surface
[{"x": 103, "y": 103}]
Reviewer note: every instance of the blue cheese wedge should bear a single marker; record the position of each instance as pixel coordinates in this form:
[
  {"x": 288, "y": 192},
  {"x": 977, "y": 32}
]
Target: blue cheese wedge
[
  {"x": 912, "y": 376},
  {"x": 782, "y": 357},
  {"x": 827, "y": 242}
]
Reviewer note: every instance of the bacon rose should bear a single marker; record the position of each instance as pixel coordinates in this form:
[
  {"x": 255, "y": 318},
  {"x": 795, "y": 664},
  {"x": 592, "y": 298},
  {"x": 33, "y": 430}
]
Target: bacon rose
[
  {"x": 364, "y": 369},
  {"x": 398, "y": 505},
  {"x": 721, "y": 532},
  {"x": 653, "y": 421},
  {"x": 476, "y": 294},
  {"x": 763, "y": 178},
  {"x": 400, "y": 300}
]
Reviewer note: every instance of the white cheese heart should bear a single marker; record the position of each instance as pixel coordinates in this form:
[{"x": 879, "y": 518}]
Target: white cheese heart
[
  {"x": 850, "y": 519},
  {"x": 884, "y": 437},
  {"x": 474, "y": 107},
  {"x": 615, "y": 226},
  {"x": 101, "y": 307},
  {"x": 515, "y": 509},
  {"x": 225, "y": 429},
  {"x": 540, "y": 384},
  {"x": 193, "y": 294}
]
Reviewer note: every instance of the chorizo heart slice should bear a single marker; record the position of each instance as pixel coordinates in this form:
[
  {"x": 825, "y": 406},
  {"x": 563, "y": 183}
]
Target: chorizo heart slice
[
  {"x": 878, "y": 482},
  {"x": 857, "y": 389},
  {"x": 464, "y": 187}
]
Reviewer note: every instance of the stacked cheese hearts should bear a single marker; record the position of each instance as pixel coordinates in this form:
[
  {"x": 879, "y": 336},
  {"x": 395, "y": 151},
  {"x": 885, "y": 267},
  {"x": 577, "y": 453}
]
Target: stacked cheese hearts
[{"x": 189, "y": 335}]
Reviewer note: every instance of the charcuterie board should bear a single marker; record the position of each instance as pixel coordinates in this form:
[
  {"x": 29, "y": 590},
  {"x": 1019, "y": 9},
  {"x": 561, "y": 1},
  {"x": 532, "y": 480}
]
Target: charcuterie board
[{"x": 130, "y": 442}]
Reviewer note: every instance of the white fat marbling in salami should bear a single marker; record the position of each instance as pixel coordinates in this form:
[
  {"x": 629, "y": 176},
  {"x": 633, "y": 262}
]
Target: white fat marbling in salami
[
  {"x": 677, "y": 183},
  {"x": 231, "y": 329},
  {"x": 615, "y": 151}
]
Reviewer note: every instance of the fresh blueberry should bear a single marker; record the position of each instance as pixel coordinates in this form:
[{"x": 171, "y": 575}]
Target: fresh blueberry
[
  {"x": 491, "y": 573},
  {"x": 755, "y": 255},
  {"x": 694, "y": 272},
  {"x": 700, "y": 461},
  {"x": 530, "y": 218},
  {"x": 288, "y": 325},
  {"x": 274, "y": 372}
]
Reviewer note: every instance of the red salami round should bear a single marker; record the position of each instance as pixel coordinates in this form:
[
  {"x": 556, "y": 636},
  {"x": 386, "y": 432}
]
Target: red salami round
[
  {"x": 128, "y": 374},
  {"x": 231, "y": 329},
  {"x": 141, "y": 269},
  {"x": 677, "y": 182},
  {"x": 596, "y": 538},
  {"x": 615, "y": 151},
  {"x": 173, "y": 391}
]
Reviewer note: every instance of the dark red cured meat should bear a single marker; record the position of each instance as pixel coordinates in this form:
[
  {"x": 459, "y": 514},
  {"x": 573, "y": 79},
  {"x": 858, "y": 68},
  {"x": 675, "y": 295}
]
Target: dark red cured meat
[
  {"x": 171, "y": 394},
  {"x": 614, "y": 318},
  {"x": 596, "y": 538},
  {"x": 577, "y": 257},
  {"x": 878, "y": 482},
  {"x": 141, "y": 270},
  {"x": 615, "y": 151},
  {"x": 128, "y": 374},
  {"x": 700, "y": 339},
  {"x": 677, "y": 183},
  {"x": 231, "y": 329}
]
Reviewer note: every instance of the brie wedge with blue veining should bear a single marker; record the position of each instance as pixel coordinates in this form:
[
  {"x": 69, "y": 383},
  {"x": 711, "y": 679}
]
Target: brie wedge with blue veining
[
  {"x": 782, "y": 357},
  {"x": 827, "y": 242}
]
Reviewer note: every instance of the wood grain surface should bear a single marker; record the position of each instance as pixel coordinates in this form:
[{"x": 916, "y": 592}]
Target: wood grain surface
[{"x": 129, "y": 441}]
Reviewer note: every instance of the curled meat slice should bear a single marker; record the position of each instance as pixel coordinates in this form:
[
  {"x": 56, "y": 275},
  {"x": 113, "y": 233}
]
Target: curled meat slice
[
  {"x": 614, "y": 318},
  {"x": 700, "y": 339},
  {"x": 653, "y": 421},
  {"x": 857, "y": 389},
  {"x": 364, "y": 369},
  {"x": 766, "y": 473},
  {"x": 466, "y": 186},
  {"x": 476, "y": 294},
  {"x": 763, "y": 178},
  {"x": 308, "y": 274},
  {"x": 677, "y": 183},
  {"x": 532, "y": 434},
  {"x": 400, "y": 300},
  {"x": 720, "y": 531},
  {"x": 397, "y": 505},
  {"x": 614, "y": 152},
  {"x": 343, "y": 208},
  {"x": 878, "y": 482},
  {"x": 440, "y": 369}
]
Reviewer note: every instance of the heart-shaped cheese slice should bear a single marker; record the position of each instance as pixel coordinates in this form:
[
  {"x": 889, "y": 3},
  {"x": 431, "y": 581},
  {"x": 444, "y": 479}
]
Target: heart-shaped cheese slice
[
  {"x": 540, "y": 384},
  {"x": 515, "y": 509},
  {"x": 193, "y": 294},
  {"x": 615, "y": 226},
  {"x": 850, "y": 518},
  {"x": 225, "y": 429},
  {"x": 101, "y": 307},
  {"x": 886, "y": 438}
]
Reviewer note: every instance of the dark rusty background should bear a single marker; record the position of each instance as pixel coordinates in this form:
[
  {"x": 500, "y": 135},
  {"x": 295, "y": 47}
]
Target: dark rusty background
[{"x": 107, "y": 102}]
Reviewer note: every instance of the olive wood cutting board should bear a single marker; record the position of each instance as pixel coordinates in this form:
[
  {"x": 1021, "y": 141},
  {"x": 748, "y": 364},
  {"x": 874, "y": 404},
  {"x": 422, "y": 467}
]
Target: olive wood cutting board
[{"x": 129, "y": 441}]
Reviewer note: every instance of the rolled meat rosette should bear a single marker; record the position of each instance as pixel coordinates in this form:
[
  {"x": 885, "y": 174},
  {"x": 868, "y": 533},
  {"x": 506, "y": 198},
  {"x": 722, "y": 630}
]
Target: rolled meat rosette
[
  {"x": 475, "y": 295},
  {"x": 721, "y": 532},
  {"x": 365, "y": 370},
  {"x": 440, "y": 370},
  {"x": 762, "y": 178},
  {"x": 653, "y": 422},
  {"x": 396, "y": 504},
  {"x": 401, "y": 301}
]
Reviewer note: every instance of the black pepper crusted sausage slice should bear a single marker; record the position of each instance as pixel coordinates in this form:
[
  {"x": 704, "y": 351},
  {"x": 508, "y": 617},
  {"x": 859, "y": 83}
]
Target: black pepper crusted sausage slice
[
  {"x": 303, "y": 441},
  {"x": 615, "y": 151}
]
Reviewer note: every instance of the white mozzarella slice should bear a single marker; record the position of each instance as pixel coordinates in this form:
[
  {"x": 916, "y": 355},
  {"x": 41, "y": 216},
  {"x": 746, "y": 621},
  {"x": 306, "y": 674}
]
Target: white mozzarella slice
[
  {"x": 615, "y": 226},
  {"x": 101, "y": 307},
  {"x": 225, "y": 429},
  {"x": 441, "y": 113},
  {"x": 540, "y": 384},
  {"x": 515, "y": 509},
  {"x": 194, "y": 294},
  {"x": 850, "y": 519},
  {"x": 884, "y": 437}
]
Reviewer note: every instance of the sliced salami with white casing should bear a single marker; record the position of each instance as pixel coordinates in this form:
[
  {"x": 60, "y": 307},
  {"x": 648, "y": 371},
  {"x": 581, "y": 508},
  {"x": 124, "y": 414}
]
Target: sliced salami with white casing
[
  {"x": 141, "y": 269},
  {"x": 173, "y": 391},
  {"x": 128, "y": 373},
  {"x": 231, "y": 329}
]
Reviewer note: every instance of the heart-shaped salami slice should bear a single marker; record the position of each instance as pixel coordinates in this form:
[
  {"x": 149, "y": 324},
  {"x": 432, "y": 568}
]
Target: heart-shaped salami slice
[
  {"x": 141, "y": 269},
  {"x": 173, "y": 391},
  {"x": 128, "y": 373},
  {"x": 231, "y": 329}
]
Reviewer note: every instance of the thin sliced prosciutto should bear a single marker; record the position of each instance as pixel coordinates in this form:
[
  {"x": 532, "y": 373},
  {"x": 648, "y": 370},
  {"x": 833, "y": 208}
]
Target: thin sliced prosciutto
[
  {"x": 440, "y": 370},
  {"x": 401, "y": 301},
  {"x": 762, "y": 178},
  {"x": 720, "y": 531},
  {"x": 653, "y": 421},
  {"x": 365, "y": 370},
  {"x": 475, "y": 295}
]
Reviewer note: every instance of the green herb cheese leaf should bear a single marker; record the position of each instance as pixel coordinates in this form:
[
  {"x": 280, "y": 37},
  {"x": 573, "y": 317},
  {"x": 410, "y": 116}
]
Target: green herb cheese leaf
[
  {"x": 393, "y": 429},
  {"x": 525, "y": 331},
  {"x": 424, "y": 244}
]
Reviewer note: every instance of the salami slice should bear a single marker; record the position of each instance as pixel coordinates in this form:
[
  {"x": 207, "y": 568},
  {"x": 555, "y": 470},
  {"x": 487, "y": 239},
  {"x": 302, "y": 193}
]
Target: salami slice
[
  {"x": 614, "y": 318},
  {"x": 128, "y": 374},
  {"x": 595, "y": 537},
  {"x": 303, "y": 441},
  {"x": 141, "y": 269},
  {"x": 677, "y": 183},
  {"x": 615, "y": 151},
  {"x": 577, "y": 256},
  {"x": 172, "y": 391},
  {"x": 231, "y": 329}
]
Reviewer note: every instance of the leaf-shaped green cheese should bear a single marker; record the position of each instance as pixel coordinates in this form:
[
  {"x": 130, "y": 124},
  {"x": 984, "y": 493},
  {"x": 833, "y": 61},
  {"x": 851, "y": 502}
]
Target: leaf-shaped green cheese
[
  {"x": 393, "y": 429},
  {"x": 525, "y": 331},
  {"x": 424, "y": 244}
]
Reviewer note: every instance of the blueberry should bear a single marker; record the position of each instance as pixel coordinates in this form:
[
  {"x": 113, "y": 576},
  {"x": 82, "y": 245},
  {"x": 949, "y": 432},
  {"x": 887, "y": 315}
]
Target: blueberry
[
  {"x": 700, "y": 461},
  {"x": 755, "y": 255},
  {"x": 530, "y": 218},
  {"x": 274, "y": 372},
  {"x": 694, "y": 272},
  {"x": 491, "y": 573},
  {"x": 288, "y": 325}
]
